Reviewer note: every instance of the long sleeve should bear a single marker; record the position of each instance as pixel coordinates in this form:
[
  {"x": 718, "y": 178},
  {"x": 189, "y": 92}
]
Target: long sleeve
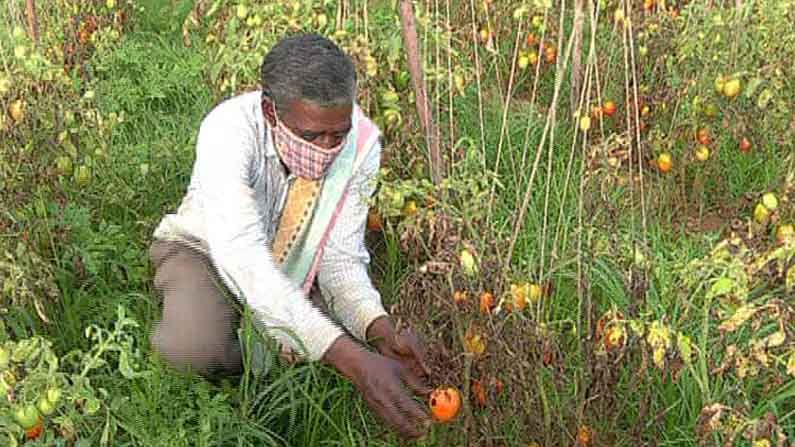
[
  {"x": 238, "y": 244},
  {"x": 342, "y": 275}
]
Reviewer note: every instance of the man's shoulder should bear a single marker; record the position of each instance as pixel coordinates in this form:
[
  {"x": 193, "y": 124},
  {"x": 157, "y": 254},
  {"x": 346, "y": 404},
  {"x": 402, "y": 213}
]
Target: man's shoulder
[{"x": 236, "y": 110}]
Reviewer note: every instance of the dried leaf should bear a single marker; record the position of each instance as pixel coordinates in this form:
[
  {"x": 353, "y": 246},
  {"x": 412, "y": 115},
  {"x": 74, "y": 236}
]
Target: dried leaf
[
  {"x": 738, "y": 319},
  {"x": 775, "y": 339}
]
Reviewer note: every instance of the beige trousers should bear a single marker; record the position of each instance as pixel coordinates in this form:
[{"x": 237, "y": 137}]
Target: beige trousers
[{"x": 198, "y": 331}]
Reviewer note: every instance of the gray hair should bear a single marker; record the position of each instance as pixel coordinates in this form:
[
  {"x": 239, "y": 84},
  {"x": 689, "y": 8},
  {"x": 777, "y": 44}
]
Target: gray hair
[{"x": 308, "y": 67}]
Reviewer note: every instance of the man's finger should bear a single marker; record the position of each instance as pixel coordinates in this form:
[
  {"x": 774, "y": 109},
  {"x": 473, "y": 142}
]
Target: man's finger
[
  {"x": 418, "y": 352},
  {"x": 416, "y": 416},
  {"x": 393, "y": 416},
  {"x": 415, "y": 384}
]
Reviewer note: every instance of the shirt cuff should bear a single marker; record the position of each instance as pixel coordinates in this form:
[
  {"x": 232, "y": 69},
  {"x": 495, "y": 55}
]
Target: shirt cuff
[
  {"x": 310, "y": 337},
  {"x": 360, "y": 319}
]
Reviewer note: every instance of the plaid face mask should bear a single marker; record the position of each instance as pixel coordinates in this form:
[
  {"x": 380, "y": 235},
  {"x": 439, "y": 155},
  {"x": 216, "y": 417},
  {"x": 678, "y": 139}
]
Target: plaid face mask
[{"x": 304, "y": 159}]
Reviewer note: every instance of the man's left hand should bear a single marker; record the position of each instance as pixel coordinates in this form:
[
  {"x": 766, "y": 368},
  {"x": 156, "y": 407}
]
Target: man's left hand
[{"x": 399, "y": 344}]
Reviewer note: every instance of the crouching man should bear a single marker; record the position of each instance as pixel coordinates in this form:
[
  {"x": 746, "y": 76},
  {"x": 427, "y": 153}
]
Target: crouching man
[{"x": 276, "y": 204}]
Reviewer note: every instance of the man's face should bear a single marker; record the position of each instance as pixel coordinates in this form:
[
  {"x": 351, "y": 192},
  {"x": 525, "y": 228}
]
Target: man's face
[{"x": 323, "y": 126}]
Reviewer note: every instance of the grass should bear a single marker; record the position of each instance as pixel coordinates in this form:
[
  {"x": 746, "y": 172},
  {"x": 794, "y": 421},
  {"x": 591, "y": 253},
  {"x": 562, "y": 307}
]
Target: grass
[{"x": 162, "y": 89}]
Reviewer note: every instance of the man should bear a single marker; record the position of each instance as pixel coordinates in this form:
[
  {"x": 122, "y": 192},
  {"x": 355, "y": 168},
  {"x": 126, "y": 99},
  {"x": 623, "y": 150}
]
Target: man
[{"x": 277, "y": 202}]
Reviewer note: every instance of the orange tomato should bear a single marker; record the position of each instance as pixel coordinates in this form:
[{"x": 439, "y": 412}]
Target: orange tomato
[
  {"x": 35, "y": 431},
  {"x": 445, "y": 403},
  {"x": 584, "y": 436},
  {"x": 745, "y": 145},
  {"x": 486, "y": 302},
  {"x": 374, "y": 221},
  {"x": 609, "y": 108},
  {"x": 460, "y": 296},
  {"x": 479, "y": 392},
  {"x": 703, "y": 136},
  {"x": 665, "y": 162},
  {"x": 531, "y": 39},
  {"x": 550, "y": 54}
]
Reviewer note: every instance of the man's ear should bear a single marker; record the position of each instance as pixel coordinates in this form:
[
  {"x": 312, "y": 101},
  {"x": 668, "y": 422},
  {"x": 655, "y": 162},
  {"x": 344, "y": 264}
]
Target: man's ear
[{"x": 267, "y": 110}]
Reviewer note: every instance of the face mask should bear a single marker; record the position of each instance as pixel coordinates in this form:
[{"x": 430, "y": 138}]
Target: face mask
[{"x": 304, "y": 159}]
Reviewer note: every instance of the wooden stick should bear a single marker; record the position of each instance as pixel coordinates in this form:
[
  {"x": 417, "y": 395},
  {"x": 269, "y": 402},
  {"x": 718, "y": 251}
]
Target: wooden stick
[
  {"x": 576, "y": 63},
  {"x": 33, "y": 21},
  {"x": 409, "y": 31}
]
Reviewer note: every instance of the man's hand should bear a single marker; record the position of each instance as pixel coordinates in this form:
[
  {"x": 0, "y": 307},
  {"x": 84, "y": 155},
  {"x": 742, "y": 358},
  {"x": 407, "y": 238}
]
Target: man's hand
[
  {"x": 401, "y": 345},
  {"x": 380, "y": 380}
]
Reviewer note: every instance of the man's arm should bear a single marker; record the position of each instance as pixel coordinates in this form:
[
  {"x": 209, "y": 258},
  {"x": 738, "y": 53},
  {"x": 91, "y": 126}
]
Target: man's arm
[
  {"x": 238, "y": 244},
  {"x": 342, "y": 275}
]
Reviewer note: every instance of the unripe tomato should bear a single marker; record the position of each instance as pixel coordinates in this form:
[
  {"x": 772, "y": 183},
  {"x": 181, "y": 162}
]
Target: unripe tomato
[
  {"x": 45, "y": 406},
  {"x": 54, "y": 395},
  {"x": 27, "y": 416}
]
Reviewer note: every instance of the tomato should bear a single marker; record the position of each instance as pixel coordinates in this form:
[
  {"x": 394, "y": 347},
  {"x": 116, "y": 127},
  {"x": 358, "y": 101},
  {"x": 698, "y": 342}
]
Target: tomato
[
  {"x": 702, "y": 153},
  {"x": 703, "y": 136},
  {"x": 785, "y": 233},
  {"x": 486, "y": 302},
  {"x": 53, "y": 395},
  {"x": 83, "y": 175},
  {"x": 27, "y": 416},
  {"x": 374, "y": 222},
  {"x": 479, "y": 391},
  {"x": 770, "y": 201},
  {"x": 665, "y": 162},
  {"x": 584, "y": 436},
  {"x": 45, "y": 406},
  {"x": 64, "y": 164},
  {"x": 35, "y": 431},
  {"x": 609, "y": 108},
  {"x": 550, "y": 54},
  {"x": 445, "y": 403},
  {"x": 5, "y": 357},
  {"x": 745, "y": 145},
  {"x": 410, "y": 208}
]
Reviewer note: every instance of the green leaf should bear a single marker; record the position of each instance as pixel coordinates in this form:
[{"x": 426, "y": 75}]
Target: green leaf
[
  {"x": 721, "y": 287},
  {"x": 764, "y": 98},
  {"x": 685, "y": 347},
  {"x": 753, "y": 85}
]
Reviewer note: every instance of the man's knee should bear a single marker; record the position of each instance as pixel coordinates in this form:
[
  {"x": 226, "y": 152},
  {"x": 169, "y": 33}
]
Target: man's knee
[{"x": 192, "y": 353}]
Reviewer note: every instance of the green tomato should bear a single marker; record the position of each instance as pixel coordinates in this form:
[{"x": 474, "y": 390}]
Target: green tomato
[
  {"x": 45, "y": 406},
  {"x": 27, "y": 416},
  {"x": 83, "y": 175},
  {"x": 64, "y": 164},
  {"x": 53, "y": 395},
  {"x": 5, "y": 357}
]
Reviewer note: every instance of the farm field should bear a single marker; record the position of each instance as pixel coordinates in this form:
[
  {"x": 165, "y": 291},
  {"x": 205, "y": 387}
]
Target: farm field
[{"x": 594, "y": 239}]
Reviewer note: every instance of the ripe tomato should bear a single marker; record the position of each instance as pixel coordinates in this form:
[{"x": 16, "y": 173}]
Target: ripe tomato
[
  {"x": 479, "y": 392},
  {"x": 665, "y": 162},
  {"x": 745, "y": 145},
  {"x": 550, "y": 54},
  {"x": 445, "y": 404},
  {"x": 486, "y": 302},
  {"x": 35, "y": 431},
  {"x": 609, "y": 108},
  {"x": 703, "y": 136}
]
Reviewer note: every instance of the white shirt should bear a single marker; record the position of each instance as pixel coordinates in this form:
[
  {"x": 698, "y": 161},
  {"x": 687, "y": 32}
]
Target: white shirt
[{"x": 232, "y": 208}]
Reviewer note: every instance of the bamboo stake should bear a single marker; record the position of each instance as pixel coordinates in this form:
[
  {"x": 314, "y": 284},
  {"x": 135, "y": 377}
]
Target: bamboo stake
[{"x": 409, "y": 31}]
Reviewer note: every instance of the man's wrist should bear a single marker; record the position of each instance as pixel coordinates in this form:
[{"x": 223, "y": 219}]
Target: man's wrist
[
  {"x": 345, "y": 356},
  {"x": 380, "y": 331}
]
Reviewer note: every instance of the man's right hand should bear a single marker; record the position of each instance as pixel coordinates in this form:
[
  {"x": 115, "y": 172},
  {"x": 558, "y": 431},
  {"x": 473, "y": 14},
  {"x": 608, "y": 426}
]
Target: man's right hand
[{"x": 380, "y": 380}]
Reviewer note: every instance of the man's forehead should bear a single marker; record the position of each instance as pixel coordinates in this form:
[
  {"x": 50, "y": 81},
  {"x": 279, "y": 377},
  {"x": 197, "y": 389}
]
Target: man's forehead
[{"x": 311, "y": 116}]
